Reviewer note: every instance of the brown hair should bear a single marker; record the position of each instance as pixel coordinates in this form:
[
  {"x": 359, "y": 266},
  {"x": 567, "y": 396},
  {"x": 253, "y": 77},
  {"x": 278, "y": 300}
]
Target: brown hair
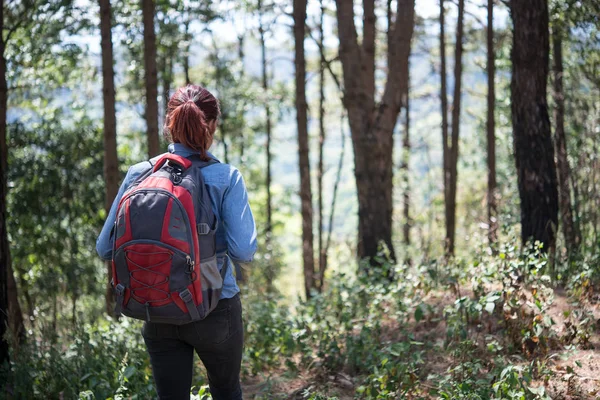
[{"x": 189, "y": 112}]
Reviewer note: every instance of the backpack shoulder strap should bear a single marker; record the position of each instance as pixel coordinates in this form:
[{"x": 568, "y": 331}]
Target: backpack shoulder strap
[{"x": 146, "y": 172}]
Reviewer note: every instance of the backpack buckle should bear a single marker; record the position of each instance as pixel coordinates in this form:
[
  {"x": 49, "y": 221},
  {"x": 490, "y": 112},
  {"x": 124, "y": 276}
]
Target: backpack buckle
[
  {"x": 120, "y": 289},
  {"x": 176, "y": 178},
  {"x": 203, "y": 228},
  {"x": 185, "y": 295}
]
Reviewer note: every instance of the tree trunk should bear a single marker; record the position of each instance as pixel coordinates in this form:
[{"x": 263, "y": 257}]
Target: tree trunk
[
  {"x": 390, "y": 29},
  {"x": 265, "y": 85},
  {"x": 491, "y": 130},
  {"x": 534, "y": 153},
  {"x": 444, "y": 111},
  {"x": 404, "y": 166},
  {"x": 241, "y": 56},
  {"x": 151, "y": 78},
  {"x": 15, "y": 313},
  {"x": 322, "y": 249},
  {"x": 336, "y": 184},
  {"x": 562, "y": 162},
  {"x": 270, "y": 274},
  {"x": 451, "y": 204},
  {"x": 186, "y": 53},
  {"x": 368, "y": 46},
  {"x": 167, "y": 80},
  {"x": 372, "y": 125},
  {"x": 4, "y": 249},
  {"x": 304, "y": 163},
  {"x": 111, "y": 161}
]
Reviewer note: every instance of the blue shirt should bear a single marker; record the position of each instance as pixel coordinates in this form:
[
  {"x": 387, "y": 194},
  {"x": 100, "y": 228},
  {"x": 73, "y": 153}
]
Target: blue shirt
[{"x": 236, "y": 233}]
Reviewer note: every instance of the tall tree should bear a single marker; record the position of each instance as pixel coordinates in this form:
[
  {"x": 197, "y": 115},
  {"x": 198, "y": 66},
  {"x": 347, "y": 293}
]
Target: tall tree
[
  {"x": 151, "y": 77},
  {"x": 404, "y": 166},
  {"x": 444, "y": 110},
  {"x": 491, "y": 127},
  {"x": 303, "y": 159},
  {"x": 562, "y": 162},
  {"x": 320, "y": 169},
  {"x": 453, "y": 159},
  {"x": 534, "y": 152},
  {"x": 405, "y": 156},
  {"x": 4, "y": 250},
  {"x": 263, "y": 28},
  {"x": 268, "y": 122},
  {"x": 111, "y": 162},
  {"x": 186, "y": 52},
  {"x": 372, "y": 123}
]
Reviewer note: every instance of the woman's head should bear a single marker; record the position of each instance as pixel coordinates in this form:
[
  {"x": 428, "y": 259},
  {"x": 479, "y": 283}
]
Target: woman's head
[{"x": 191, "y": 119}]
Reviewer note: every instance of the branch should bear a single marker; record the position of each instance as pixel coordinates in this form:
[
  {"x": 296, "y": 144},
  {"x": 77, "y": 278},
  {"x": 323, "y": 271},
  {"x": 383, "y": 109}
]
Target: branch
[
  {"x": 327, "y": 62},
  {"x": 350, "y": 55},
  {"x": 338, "y": 178},
  {"x": 475, "y": 17},
  {"x": 397, "y": 80}
]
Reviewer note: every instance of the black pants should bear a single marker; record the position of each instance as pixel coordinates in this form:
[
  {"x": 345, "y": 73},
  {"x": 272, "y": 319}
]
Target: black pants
[{"x": 218, "y": 340}]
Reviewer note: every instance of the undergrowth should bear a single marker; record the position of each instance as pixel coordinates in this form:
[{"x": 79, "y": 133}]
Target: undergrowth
[{"x": 462, "y": 329}]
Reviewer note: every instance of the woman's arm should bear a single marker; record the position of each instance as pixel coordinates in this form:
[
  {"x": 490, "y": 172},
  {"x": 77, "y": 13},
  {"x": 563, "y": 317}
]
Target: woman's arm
[{"x": 240, "y": 228}]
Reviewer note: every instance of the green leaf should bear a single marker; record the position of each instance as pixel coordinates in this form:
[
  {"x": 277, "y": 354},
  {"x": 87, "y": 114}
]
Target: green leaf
[{"x": 419, "y": 314}]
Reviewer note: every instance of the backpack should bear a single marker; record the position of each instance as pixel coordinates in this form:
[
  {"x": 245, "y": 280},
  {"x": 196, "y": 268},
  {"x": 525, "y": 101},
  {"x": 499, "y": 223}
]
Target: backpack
[{"x": 164, "y": 263}]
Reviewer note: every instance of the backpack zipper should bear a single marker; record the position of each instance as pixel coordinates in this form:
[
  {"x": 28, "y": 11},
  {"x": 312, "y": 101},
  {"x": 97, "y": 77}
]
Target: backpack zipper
[{"x": 175, "y": 200}]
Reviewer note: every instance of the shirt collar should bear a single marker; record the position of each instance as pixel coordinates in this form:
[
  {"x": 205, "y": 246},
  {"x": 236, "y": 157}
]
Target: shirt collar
[{"x": 183, "y": 150}]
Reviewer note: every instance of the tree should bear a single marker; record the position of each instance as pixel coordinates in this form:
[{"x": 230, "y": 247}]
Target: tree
[
  {"x": 444, "y": 103},
  {"x": 562, "y": 163},
  {"x": 405, "y": 156},
  {"x": 490, "y": 127},
  {"x": 268, "y": 122},
  {"x": 111, "y": 162},
  {"x": 4, "y": 250},
  {"x": 262, "y": 30},
  {"x": 534, "y": 153},
  {"x": 404, "y": 166},
  {"x": 453, "y": 147},
  {"x": 303, "y": 159},
  {"x": 320, "y": 168},
  {"x": 371, "y": 122},
  {"x": 151, "y": 79}
]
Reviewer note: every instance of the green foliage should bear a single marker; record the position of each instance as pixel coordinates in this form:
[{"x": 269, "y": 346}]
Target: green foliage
[
  {"x": 56, "y": 204},
  {"x": 100, "y": 361}
]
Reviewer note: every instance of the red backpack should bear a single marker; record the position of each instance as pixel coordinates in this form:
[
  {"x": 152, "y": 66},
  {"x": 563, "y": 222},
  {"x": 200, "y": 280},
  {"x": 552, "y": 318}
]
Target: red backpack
[{"x": 164, "y": 263}]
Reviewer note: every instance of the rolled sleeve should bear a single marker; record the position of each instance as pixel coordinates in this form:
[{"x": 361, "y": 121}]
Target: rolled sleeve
[{"x": 239, "y": 222}]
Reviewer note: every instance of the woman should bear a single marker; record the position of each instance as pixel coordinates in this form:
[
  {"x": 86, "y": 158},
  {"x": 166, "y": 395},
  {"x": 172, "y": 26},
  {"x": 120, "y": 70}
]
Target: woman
[{"x": 190, "y": 126}]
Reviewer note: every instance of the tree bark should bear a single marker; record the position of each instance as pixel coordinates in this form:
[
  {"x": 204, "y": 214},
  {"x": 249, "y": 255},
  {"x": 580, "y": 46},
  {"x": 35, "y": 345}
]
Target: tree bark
[
  {"x": 111, "y": 161},
  {"x": 453, "y": 179},
  {"x": 15, "y": 313},
  {"x": 4, "y": 249},
  {"x": 268, "y": 128},
  {"x": 320, "y": 171},
  {"x": 336, "y": 184},
  {"x": 167, "y": 80},
  {"x": 368, "y": 45},
  {"x": 562, "y": 162},
  {"x": 372, "y": 125},
  {"x": 186, "y": 53},
  {"x": 405, "y": 173},
  {"x": 304, "y": 162},
  {"x": 534, "y": 152},
  {"x": 491, "y": 128},
  {"x": 151, "y": 78},
  {"x": 444, "y": 111}
]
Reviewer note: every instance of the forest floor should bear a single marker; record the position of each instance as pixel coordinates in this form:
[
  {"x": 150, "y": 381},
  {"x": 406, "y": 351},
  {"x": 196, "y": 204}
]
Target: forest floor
[{"x": 571, "y": 371}]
